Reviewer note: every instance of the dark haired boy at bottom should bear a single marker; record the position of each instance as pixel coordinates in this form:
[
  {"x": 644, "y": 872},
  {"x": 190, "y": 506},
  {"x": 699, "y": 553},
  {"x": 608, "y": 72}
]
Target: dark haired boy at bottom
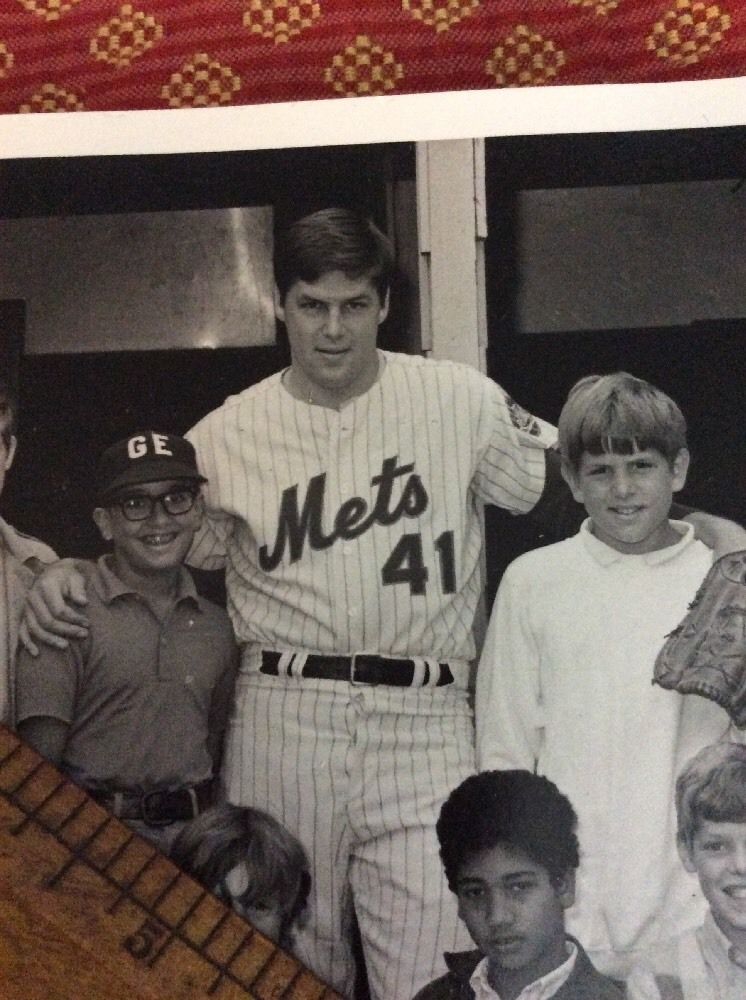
[
  {"x": 509, "y": 849},
  {"x": 136, "y": 711},
  {"x": 250, "y": 860},
  {"x": 708, "y": 963}
]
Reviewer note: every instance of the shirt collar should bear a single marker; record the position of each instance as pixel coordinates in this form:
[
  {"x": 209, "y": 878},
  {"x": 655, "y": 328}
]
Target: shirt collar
[
  {"x": 606, "y": 556},
  {"x": 718, "y": 948},
  {"x": 108, "y": 586},
  {"x": 540, "y": 989}
]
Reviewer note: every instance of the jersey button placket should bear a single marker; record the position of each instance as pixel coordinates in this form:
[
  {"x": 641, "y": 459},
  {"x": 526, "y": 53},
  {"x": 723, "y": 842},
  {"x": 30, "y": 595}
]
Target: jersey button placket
[
  {"x": 337, "y": 607},
  {"x": 342, "y": 462}
]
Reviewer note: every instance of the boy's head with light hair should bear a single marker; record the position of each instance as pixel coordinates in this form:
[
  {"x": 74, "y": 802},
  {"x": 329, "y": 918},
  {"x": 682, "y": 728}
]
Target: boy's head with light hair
[
  {"x": 711, "y": 786},
  {"x": 619, "y": 414},
  {"x": 624, "y": 455},
  {"x": 711, "y": 821}
]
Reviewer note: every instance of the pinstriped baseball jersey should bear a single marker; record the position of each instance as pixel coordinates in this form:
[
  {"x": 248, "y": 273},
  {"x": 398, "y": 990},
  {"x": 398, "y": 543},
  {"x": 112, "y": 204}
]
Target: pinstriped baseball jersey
[{"x": 358, "y": 530}]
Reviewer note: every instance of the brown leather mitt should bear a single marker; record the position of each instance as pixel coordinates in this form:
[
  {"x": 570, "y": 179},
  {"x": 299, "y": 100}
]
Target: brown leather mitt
[{"x": 706, "y": 653}]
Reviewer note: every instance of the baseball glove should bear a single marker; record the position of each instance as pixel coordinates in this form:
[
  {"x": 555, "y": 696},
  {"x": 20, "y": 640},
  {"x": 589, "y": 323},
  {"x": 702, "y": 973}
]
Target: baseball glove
[{"x": 706, "y": 653}]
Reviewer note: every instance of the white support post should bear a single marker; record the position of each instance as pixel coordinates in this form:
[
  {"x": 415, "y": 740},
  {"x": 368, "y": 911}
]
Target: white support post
[
  {"x": 451, "y": 220},
  {"x": 452, "y": 226}
]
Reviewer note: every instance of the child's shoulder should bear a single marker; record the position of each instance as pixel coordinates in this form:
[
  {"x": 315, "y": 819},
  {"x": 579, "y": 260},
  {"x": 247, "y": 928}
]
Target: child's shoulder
[{"x": 545, "y": 560}]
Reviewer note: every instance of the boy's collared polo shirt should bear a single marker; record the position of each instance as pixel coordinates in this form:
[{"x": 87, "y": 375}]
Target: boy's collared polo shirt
[
  {"x": 540, "y": 989},
  {"x": 140, "y": 694}
]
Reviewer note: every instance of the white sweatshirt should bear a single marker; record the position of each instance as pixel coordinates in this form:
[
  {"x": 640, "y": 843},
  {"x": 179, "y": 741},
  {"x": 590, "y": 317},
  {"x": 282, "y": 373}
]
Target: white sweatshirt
[{"x": 564, "y": 687}]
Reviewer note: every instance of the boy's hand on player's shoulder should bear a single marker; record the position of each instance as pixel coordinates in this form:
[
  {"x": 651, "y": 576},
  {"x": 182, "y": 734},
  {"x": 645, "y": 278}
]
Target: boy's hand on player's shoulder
[
  {"x": 53, "y": 614},
  {"x": 717, "y": 533}
]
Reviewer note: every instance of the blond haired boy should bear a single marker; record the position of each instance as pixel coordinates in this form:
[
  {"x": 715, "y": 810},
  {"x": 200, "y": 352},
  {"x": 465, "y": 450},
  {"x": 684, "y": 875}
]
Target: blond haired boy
[
  {"x": 708, "y": 963},
  {"x": 564, "y": 684}
]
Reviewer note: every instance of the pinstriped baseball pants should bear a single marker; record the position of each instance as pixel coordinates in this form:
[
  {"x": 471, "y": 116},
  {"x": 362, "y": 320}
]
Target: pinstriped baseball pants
[{"x": 358, "y": 774}]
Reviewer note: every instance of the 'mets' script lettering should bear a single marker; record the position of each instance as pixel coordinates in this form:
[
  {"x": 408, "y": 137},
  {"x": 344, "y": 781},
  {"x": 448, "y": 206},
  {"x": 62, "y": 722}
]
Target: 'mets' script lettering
[{"x": 353, "y": 518}]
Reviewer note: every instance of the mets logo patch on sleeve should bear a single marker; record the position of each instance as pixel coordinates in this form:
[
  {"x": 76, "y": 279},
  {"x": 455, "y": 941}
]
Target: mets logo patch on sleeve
[{"x": 542, "y": 434}]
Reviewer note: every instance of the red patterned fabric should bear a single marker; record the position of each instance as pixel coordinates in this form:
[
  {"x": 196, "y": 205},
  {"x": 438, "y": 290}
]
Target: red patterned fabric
[{"x": 101, "y": 55}]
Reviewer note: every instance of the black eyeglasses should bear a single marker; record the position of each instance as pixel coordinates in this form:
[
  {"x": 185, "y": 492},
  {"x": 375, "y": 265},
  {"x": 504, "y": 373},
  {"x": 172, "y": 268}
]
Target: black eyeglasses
[{"x": 140, "y": 506}]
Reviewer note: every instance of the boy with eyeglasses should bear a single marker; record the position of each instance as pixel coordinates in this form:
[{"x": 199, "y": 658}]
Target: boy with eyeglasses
[{"x": 135, "y": 713}]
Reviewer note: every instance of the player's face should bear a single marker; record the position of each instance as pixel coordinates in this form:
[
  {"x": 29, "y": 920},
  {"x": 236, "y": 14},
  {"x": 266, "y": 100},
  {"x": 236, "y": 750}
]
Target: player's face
[
  {"x": 332, "y": 327},
  {"x": 718, "y": 856},
  {"x": 158, "y": 543},
  {"x": 7, "y": 451},
  {"x": 515, "y": 914},
  {"x": 628, "y": 497}
]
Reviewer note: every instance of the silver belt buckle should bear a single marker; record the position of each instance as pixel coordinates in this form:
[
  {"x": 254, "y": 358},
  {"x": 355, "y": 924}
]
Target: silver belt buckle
[{"x": 353, "y": 679}]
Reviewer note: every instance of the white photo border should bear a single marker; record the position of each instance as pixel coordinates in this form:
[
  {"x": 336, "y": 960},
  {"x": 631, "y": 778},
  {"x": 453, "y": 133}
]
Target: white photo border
[{"x": 401, "y": 118}]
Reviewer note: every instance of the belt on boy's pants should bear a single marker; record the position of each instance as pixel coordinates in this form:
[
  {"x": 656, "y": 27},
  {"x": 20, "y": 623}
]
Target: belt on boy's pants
[
  {"x": 158, "y": 807},
  {"x": 362, "y": 668}
]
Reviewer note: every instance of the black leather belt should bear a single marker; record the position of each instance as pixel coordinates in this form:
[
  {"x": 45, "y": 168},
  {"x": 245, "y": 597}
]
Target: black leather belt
[
  {"x": 159, "y": 807},
  {"x": 363, "y": 668}
]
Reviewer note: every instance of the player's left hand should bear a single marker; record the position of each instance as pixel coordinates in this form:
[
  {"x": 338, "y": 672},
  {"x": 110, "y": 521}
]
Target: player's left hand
[
  {"x": 717, "y": 533},
  {"x": 55, "y": 607}
]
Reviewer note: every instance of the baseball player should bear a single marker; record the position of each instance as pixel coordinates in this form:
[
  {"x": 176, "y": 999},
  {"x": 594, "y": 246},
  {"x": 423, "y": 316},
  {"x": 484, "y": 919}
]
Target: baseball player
[
  {"x": 343, "y": 503},
  {"x": 345, "y": 512}
]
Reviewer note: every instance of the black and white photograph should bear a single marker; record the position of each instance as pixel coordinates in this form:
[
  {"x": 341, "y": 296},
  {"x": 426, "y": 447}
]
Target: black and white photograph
[{"x": 373, "y": 548}]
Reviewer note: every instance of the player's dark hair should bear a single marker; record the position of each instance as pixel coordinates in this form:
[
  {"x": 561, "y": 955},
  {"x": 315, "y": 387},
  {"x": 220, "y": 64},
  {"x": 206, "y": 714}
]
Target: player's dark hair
[
  {"x": 333, "y": 239},
  {"x": 514, "y": 808},
  {"x": 8, "y": 410},
  {"x": 618, "y": 414},
  {"x": 712, "y": 786},
  {"x": 220, "y": 838}
]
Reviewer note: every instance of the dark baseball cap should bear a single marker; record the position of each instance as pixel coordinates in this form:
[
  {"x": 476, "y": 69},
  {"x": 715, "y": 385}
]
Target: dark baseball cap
[{"x": 145, "y": 457}]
